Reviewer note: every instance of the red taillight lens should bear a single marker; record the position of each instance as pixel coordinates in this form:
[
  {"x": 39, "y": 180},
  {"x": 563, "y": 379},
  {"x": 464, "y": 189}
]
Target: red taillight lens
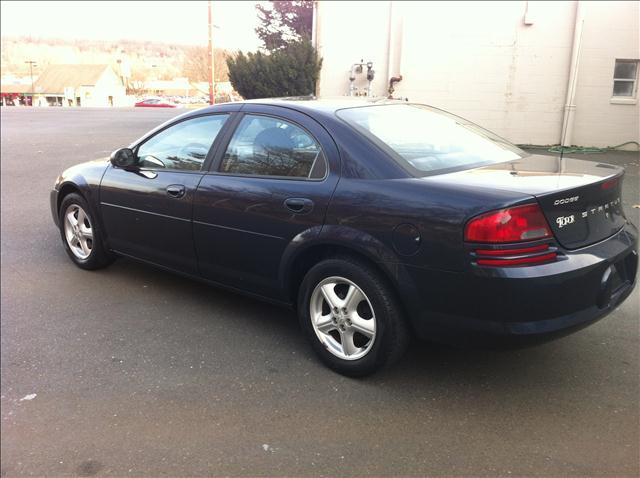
[
  {"x": 522, "y": 256},
  {"x": 522, "y": 261},
  {"x": 515, "y": 224},
  {"x": 513, "y": 252}
]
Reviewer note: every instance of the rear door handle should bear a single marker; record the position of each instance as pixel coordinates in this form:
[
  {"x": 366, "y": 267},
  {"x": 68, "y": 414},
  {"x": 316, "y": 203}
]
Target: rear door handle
[
  {"x": 175, "y": 190},
  {"x": 299, "y": 205}
]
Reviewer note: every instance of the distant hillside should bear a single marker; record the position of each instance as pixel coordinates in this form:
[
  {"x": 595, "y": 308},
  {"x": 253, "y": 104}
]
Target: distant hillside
[{"x": 147, "y": 59}]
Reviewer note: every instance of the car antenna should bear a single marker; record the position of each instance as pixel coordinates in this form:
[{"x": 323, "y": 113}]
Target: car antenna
[{"x": 563, "y": 137}]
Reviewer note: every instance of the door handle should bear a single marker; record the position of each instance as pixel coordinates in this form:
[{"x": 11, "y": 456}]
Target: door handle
[
  {"x": 299, "y": 205},
  {"x": 175, "y": 191}
]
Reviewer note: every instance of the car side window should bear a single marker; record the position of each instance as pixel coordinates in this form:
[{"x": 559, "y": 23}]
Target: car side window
[
  {"x": 183, "y": 146},
  {"x": 268, "y": 146}
]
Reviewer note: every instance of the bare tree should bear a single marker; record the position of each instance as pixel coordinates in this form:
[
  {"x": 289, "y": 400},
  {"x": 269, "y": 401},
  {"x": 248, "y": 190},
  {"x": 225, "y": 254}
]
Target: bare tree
[
  {"x": 139, "y": 76},
  {"x": 196, "y": 64},
  {"x": 283, "y": 22}
]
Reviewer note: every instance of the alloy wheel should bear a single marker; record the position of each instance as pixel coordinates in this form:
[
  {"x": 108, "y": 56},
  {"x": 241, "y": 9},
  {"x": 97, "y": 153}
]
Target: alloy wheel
[
  {"x": 343, "y": 318},
  {"x": 78, "y": 231}
]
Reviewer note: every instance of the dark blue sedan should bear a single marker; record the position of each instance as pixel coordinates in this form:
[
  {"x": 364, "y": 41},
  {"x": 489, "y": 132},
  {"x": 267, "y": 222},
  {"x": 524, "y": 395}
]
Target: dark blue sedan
[{"x": 377, "y": 221}]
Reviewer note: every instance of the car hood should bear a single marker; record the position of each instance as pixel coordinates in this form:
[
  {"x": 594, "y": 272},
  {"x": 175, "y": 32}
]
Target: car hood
[
  {"x": 89, "y": 172},
  {"x": 88, "y": 164}
]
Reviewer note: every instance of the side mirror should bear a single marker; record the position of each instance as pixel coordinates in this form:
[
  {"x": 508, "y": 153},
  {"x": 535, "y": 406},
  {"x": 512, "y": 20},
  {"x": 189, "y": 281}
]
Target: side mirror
[{"x": 123, "y": 158}]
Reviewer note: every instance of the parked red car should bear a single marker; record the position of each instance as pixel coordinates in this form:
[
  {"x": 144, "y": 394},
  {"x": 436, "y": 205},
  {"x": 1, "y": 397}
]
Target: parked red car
[{"x": 155, "y": 103}]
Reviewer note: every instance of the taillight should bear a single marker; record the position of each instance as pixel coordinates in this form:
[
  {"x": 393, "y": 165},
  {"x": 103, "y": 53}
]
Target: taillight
[
  {"x": 515, "y": 224},
  {"x": 513, "y": 252},
  {"x": 515, "y": 257},
  {"x": 508, "y": 229}
]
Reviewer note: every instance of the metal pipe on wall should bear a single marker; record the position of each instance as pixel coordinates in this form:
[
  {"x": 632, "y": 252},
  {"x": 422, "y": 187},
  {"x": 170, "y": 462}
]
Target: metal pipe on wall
[
  {"x": 394, "y": 48},
  {"x": 314, "y": 40},
  {"x": 570, "y": 106}
]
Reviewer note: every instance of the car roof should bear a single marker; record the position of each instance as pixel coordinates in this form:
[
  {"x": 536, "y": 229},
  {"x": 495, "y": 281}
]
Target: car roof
[{"x": 309, "y": 104}]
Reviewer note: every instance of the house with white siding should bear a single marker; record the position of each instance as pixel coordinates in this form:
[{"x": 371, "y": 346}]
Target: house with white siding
[{"x": 79, "y": 85}]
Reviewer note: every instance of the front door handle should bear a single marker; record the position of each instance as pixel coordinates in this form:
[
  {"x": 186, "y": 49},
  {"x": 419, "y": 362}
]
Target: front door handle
[
  {"x": 299, "y": 205},
  {"x": 175, "y": 191}
]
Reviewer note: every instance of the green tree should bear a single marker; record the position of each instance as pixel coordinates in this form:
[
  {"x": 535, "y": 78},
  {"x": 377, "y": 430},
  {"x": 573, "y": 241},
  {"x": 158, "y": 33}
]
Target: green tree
[
  {"x": 284, "y": 22},
  {"x": 292, "y": 70}
]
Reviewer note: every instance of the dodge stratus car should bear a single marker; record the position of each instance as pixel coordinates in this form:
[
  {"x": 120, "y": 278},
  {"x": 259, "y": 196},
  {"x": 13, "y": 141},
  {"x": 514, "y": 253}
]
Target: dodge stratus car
[{"x": 376, "y": 221}]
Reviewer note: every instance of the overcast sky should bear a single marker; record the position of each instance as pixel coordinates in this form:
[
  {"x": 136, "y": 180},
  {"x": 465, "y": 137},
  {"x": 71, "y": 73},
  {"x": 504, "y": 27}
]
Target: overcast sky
[{"x": 183, "y": 22}]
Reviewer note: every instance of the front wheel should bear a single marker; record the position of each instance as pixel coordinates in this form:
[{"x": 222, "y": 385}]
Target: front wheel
[
  {"x": 351, "y": 316},
  {"x": 81, "y": 234}
]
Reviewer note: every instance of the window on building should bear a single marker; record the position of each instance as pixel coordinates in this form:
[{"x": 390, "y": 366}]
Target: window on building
[
  {"x": 625, "y": 78},
  {"x": 266, "y": 146}
]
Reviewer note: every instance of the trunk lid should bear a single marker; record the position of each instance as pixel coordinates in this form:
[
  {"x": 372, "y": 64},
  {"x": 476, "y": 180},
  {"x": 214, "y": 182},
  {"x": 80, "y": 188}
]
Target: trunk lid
[
  {"x": 581, "y": 200},
  {"x": 586, "y": 214}
]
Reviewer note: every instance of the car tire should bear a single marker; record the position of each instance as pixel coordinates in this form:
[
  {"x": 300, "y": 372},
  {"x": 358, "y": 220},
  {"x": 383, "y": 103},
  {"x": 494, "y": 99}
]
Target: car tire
[
  {"x": 367, "y": 332},
  {"x": 81, "y": 234}
]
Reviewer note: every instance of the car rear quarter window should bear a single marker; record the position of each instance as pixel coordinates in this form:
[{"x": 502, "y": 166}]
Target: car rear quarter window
[
  {"x": 183, "y": 146},
  {"x": 429, "y": 141},
  {"x": 269, "y": 146}
]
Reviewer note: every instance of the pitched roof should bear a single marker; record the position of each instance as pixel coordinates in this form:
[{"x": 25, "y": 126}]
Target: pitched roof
[
  {"x": 56, "y": 77},
  {"x": 14, "y": 88}
]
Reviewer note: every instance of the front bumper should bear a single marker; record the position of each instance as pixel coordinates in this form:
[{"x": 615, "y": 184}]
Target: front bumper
[
  {"x": 53, "y": 203},
  {"x": 524, "y": 304}
]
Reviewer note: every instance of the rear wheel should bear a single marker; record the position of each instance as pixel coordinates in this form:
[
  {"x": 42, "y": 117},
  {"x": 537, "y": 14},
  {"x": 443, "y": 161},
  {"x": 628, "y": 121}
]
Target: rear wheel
[
  {"x": 351, "y": 316},
  {"x": 81, "y": 235}
]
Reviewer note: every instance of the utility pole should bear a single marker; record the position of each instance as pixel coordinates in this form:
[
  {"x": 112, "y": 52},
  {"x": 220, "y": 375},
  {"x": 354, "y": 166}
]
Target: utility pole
[
  {"x": 212, "y": 84},
  {"x": 31, "y": 65}
]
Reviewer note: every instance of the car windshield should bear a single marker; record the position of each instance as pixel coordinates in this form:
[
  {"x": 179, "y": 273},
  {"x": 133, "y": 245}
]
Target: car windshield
[{"x": 428, "y": 140}]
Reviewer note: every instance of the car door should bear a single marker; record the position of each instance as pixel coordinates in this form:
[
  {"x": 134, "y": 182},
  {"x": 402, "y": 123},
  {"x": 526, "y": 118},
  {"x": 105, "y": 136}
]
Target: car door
[
  {"x": 272, "y": 179},
  {"x": 147, "y": 211}
]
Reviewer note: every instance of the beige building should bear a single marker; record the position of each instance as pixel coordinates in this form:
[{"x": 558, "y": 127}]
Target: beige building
[
  {"x": 185, "y": 87},
  {"x": 79, "y": 85},
  {"x": 533, "y": 72}
]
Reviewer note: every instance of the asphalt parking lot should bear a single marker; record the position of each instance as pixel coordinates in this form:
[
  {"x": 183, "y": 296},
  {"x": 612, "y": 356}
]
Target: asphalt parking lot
[{"x": 130, "y": 371}]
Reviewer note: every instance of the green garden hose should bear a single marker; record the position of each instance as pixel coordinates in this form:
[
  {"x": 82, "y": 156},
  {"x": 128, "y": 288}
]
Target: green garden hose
[{"x": 577, "y": 149}]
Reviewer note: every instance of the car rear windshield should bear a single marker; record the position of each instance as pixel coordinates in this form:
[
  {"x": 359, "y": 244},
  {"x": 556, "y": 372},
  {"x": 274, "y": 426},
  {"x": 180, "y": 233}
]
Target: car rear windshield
[{"x": 427, "y": 140}]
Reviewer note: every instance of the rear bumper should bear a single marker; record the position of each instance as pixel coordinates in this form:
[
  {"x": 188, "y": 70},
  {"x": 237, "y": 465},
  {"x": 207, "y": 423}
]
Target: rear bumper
[{"x": 524, "y": 304}]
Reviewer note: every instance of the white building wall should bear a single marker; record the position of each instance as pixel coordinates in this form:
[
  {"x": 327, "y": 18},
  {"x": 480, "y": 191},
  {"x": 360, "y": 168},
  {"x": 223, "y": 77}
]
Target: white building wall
[
  {"x": 488, "y": 66},
  {"x": 481, "y": 61},
  {"x": 347, "y": 32},
  {"x": 109, "y": 84},
  {"x": 610, "y": 32}
]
